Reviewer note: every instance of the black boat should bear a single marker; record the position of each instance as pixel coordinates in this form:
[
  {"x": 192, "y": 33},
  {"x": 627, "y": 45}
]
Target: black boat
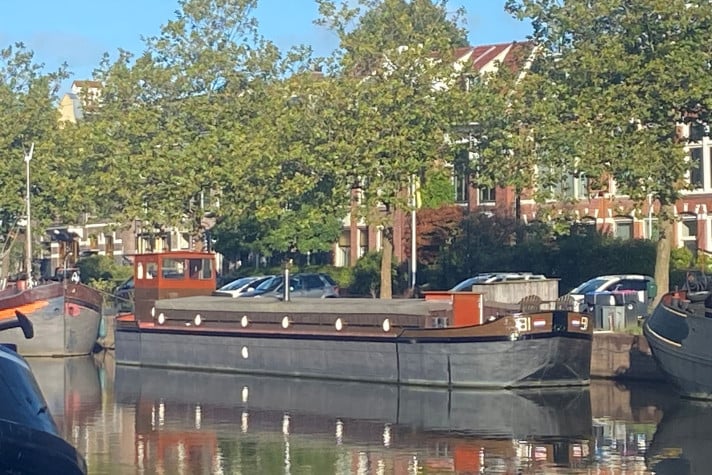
[
  {"x": 30, "y": 443},
  {"x": 679, "y": 332}
]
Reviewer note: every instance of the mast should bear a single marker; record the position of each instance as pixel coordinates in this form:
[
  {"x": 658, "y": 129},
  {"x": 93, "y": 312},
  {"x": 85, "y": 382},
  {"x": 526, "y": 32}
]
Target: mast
[{"x": 28, "y": 228}]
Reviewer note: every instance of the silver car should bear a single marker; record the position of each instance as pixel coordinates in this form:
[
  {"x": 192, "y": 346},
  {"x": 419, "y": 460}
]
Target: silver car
[
  {"x": 243, "y": 285},
  {"x": 309, "y": 285}
]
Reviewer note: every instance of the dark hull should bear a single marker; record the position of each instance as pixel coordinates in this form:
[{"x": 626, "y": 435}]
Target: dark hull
[
  {"x": 65, "y": 318},
  {"x": 29, "y": 440},
  {"x": 484, "y": 356},
  {"x": 679, "y": 339}
]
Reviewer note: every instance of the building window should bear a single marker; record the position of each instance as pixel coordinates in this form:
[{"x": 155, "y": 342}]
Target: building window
[
  {"x": 572, "y": 187},
  {"x": 688, "y": 235},
  {"x": 461, "y": 177},
  {"x": 696, "y": 168},
  {"x": 363, "y": 241},
  {"x": 652, "y": 229},
  {"x": 487, "y": 195},
  {"x": 624, "y": 228},
  {"x": 108, "y": 245}
]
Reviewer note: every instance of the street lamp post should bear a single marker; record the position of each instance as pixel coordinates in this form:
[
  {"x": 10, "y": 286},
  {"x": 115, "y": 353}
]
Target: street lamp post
[
  {"x": 28, "y": 228},
  {"x": 413, "y": 235}
]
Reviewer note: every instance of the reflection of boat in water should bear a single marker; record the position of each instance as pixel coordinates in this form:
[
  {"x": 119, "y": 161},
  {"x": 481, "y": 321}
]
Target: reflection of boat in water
[
  {"x": 177, "y": 408},
  {"x": 30, "y": 442},
  {"x": 71, "y": 388},
  {"x": 682, "y": 441}
]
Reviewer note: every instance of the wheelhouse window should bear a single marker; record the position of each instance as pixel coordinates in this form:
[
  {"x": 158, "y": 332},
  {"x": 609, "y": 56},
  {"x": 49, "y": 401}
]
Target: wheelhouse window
[
  {"x": 201, "y": 269},
  {"x": 173, "y": 268}
]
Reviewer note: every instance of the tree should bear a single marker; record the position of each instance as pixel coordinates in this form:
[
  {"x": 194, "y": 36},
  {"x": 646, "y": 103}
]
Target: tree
[
  {"x": 166, "y": 133},
  {"x": 394, "y": 104},
  {"x": 28, "y": 96},
  {"x": 622, "y": 74}
]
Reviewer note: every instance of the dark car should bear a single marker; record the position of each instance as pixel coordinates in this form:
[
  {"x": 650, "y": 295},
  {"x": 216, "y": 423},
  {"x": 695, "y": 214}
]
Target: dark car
[
  {"x": 124, "y": 295},
  {"x": 310, "y": 285}
]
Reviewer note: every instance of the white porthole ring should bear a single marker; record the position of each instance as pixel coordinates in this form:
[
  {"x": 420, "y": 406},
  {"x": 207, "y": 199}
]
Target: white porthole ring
[
  {"x": 244, "y": 321},
  {"x": 386, "y": 325},
  {"x": 198, "y": 320},
  {"x": 161, "y": 318},
  {"x": 339, "y": 324},
  {"x": 285, "y": 322}
]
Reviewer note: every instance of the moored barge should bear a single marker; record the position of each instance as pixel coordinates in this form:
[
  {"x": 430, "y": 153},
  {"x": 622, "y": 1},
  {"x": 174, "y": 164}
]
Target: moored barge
[
  {"x": 679, "y": 332},
  {"x": 443, "y": 340}
]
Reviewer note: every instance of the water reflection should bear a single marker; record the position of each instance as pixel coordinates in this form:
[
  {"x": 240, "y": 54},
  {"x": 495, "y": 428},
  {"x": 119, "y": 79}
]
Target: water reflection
[
  {"x": 681, "y": 445},
  {"x": 192, "y": 418},
  {"x": 153, "y": 421}
]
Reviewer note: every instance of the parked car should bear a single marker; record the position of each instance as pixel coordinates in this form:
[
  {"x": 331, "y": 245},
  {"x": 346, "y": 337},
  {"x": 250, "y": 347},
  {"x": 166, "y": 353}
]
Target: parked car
[
  {"x": 124, "y": 295},
  {"x": 644, "y": 285},
  {"x": 242, "y": 286},
  {"x": 488, "y": 277},
  {"x": 310, "y": 285}
]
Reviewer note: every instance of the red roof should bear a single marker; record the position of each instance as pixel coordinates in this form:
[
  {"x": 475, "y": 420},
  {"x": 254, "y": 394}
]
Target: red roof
[{"x": 515, "y": 54}]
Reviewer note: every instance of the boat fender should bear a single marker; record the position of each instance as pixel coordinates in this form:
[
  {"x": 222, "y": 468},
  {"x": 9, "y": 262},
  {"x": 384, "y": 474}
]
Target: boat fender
[{"x": 71, "y": 310}]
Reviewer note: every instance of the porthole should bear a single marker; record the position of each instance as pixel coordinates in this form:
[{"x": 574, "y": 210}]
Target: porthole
[
  {"x": 153, "y": 312},
  {"x": 285, "y": 322},
  {"x": 245, "y": 353},
  {"x": 339, "y": 324},
  {"x": 198, "y": 320},
  {"x": 161, "y": 318},
  {"x": 386, "y": 325},
  {"x": 244, "y": 321}
]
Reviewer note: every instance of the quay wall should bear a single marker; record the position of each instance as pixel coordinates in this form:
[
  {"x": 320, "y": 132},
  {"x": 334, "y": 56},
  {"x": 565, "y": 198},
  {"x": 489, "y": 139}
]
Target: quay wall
[{"x": 623, "y": 356}]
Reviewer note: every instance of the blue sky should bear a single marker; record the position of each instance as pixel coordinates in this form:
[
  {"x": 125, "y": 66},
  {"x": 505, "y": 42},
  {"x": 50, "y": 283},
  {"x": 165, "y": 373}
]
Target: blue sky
[{"x": 80, "y": 31}]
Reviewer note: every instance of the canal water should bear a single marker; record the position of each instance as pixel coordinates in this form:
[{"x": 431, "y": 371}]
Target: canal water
[{"x": 128, "y": 420}]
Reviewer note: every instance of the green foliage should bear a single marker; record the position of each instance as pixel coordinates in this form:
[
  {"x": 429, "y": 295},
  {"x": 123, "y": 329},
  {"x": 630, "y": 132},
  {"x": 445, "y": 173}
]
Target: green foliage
[
  {"x": 485, "y": 244},
  {"x": 366, "y": 275},
  {"x": 437, "y": 189},
  {"x": 605, "y": 95},
  {"x": 681, "y": 258},
  {"x": 103, "y": 268}
]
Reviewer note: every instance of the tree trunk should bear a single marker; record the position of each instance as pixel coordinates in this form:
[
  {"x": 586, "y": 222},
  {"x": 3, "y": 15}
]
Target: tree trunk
[
  {"x": 662, "y": 255},
  {"x": 386, "y": 260}
]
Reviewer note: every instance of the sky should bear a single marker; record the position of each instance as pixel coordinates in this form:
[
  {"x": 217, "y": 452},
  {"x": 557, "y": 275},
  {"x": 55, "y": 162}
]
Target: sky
[{"x": 81, "y": 31}]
